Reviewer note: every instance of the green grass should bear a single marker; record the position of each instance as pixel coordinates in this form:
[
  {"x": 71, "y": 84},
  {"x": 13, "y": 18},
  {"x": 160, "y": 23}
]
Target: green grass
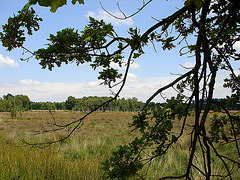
[
  {"x": 80, "y": 156},
  {"x": 23, "y": 163}
]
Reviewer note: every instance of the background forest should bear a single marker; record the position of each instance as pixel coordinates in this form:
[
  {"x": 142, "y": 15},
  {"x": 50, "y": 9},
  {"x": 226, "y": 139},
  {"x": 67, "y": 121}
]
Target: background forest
[{"x": 21, "y": 103}]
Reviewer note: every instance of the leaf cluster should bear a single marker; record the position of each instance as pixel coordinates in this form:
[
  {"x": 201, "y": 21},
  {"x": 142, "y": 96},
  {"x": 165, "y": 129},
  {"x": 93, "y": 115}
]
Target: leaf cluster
[
  {"x": 136, "y": 42},
  {"x": 234, "y": 84},
  {"x": 122, "y": 164},
  {"x": 13, "y": 34},
  {"x": 155, "y": 138},
  {"x": 52, "y": 3},
  {"x": 88, "y": 46},
  {"x": 218, "y": 128},
  {"x": 223, "y": 128}
]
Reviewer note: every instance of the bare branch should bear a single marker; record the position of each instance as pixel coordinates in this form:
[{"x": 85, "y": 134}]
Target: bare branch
[{"x": 125, "y": 16}]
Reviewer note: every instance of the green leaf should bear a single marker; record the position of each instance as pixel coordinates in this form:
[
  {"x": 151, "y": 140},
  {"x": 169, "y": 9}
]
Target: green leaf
[
  {"x": 54, "y": 4},
  {"x": 136, "y": 55},
  {"x": 13, "y": 34},
  {"x": 79, "y": 1}
]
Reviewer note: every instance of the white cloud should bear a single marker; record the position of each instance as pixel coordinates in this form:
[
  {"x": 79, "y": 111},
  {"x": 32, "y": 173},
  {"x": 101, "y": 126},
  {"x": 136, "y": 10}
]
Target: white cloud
[
  {"x": 237, "y": 46},
  {"x": 110, "y": 19},
  {"x": 93, "y": 83},
  {"x": 7, "y": 62},
  {"x": 53, "y": 91},
  {"x": 188, "y": 65},
  {"x": 134, "y": 65},
  {"x": 237, "y": 72},
  {"x": 28, "y": 82},
  {"x": 141, "y": 88},
  {"x": 132, "y": 76}
]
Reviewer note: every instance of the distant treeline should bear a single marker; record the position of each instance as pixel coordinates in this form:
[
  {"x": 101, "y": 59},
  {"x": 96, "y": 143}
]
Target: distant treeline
[
  {"x": 90, "y": 103},
  {"x": 23, "y": 103}
]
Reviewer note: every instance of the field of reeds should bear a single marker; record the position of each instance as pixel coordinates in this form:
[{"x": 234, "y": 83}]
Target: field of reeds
[{"x": 81, "y": 155}]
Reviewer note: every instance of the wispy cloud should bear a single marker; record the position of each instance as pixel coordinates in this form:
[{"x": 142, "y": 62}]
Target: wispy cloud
[
  {"x": 7, "y": 62},
  {"x": 110, "y": 19}
]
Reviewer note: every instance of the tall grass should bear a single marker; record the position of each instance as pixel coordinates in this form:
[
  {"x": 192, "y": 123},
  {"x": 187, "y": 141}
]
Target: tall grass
[
  {"x": 26, "y": 163},
  {"x": 80, "y": 156}
]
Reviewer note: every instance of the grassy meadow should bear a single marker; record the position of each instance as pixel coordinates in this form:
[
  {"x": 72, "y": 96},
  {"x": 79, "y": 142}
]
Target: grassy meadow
[{"x": 80, "y": 156}]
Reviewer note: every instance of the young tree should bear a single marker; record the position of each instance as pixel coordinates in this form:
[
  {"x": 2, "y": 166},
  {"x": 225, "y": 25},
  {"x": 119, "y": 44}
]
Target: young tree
[
  {"x": 22, "y": 102},
  {"x": 71, "y": 103},
  {"x": 213, "y": 25}
]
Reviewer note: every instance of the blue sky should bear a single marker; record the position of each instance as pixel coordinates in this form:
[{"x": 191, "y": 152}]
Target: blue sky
[{"x": 148, "y": 73}]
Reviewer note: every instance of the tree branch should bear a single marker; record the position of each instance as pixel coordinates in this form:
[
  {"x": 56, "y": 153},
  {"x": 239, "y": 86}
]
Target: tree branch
[{"x": 168, "y": 86}]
